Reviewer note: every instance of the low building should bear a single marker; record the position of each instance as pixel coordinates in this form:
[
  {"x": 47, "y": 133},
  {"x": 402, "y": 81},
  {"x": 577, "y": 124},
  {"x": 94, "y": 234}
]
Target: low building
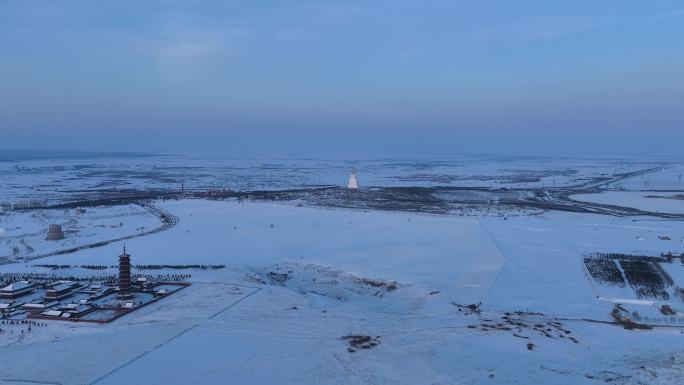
[
  {"x": 161, "y": 292},
  {"x": 77, "y": 310},
  {"x": 16, "y": 290},
  {"x": 143, "y": 284},
  {"x": 52, "y": 313},
  {"x": 61, "y": 289},
  {"x": 95, "y": 291},
  {"x": 39, "y": 306}
]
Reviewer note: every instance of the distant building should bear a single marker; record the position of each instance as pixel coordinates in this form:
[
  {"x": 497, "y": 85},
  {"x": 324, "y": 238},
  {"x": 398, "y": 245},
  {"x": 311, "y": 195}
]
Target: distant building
[
  {"x": 353, "y": 183},
  {"x": 16, "y": 290},
  {"x": 54, "y": 233}
]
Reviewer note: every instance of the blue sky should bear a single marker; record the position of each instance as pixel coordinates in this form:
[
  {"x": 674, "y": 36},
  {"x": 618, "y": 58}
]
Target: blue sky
[{"x": 446, "y": 75}]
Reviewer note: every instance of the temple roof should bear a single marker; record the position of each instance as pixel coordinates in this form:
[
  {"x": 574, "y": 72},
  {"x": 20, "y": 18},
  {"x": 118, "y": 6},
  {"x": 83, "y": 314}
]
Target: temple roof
[{"x": 16, "y": 286}]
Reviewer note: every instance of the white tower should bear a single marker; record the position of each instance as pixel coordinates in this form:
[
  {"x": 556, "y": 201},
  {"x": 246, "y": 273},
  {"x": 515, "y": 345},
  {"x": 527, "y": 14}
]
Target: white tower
[{"x": 352, "y": 183}]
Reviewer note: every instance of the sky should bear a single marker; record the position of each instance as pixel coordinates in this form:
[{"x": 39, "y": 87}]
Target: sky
[{"x": 318, "y": 76}]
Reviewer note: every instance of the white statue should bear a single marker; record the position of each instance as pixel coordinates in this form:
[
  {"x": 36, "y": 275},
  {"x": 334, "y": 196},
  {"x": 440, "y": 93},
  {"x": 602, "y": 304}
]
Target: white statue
[{"x": 352, "y": 183}]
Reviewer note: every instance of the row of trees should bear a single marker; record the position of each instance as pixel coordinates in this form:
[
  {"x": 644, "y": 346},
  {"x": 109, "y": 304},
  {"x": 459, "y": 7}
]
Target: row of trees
[
  {"x": 137, "y": 267},
  {"x": 628, "y": 257}
]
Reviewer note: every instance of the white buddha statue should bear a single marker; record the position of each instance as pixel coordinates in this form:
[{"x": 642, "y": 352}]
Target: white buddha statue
[{"x": 352, "y": 183}]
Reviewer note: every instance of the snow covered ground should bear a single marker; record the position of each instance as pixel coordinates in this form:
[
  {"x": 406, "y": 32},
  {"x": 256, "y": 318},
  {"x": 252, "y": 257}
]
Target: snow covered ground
[
  {"x": 23, "y": 233},
  {"x": 336, "y": 274},
  {"x": 544, "y": 261},
  {"x": 671, "y": 178},
  {"x": 429, "y": 252},
  {"x": 658, "y": 202},
  {"x": 55, "y": 180}
]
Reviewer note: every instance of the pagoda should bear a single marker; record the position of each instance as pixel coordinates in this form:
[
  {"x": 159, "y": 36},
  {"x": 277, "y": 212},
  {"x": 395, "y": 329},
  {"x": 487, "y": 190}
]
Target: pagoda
[{"x": 125, "y": 276}]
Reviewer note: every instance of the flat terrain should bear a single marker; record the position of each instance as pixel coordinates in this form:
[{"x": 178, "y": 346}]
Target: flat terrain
[
  {"x": 460, "y": 271},
  {"x": 658, "y": 202},
  {"x": 23, "y": 232},
  {"x": 240, "y": 324}
]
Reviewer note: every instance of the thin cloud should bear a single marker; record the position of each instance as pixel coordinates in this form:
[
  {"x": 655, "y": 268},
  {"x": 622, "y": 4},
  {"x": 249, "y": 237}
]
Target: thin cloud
[
  {"x": 539, "y": 28},
  {"x": 185, "y": 54},
  {"x": 666, "y": 15},
  {"x": 182, "y": 48}
]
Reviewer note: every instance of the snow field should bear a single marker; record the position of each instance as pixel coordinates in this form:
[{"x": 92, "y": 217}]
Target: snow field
[{"x": 238, "y": 326}]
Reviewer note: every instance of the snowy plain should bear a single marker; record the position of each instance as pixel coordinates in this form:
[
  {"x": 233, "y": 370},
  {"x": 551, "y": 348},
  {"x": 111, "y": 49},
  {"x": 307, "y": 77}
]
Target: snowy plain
[
  {"x": 23, "y": 233},
  {"x": 56, "y": 180},
  {"x": 657, "y": 202},
  {"x": 233, "y": 325},
  {"x": 404, "y": 279}
]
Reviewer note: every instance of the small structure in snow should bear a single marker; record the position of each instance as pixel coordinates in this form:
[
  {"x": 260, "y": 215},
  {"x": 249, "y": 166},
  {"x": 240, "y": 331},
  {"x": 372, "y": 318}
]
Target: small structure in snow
[
  {"x": 54, "y": 233},
  {"x": 161, "y": 292},
  {"x": 52, "y": 313},
  {"x": 353, "y": 183}
]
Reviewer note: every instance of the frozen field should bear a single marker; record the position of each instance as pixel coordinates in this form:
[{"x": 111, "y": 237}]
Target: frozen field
[
  {"x": 671, "y": 178},
  {"x": 23, "y": 233},
  {"x": 544, "y": 260},
  {"x": 237, "y": 325},
  {"x": 427, "y": 252},
  {"x": 658, "y": 202},
  {"x": 36, "y": 180}
]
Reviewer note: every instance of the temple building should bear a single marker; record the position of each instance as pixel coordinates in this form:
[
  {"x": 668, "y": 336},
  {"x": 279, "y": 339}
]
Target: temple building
[
  {"x": 16, "y": 290},
  {"x": 125, "y": 276},
  {"x": 61, "y": 289}
]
